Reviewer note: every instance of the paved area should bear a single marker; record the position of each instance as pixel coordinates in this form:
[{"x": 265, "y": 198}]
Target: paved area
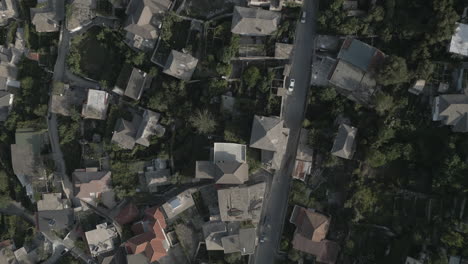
[{"x": 293, "y": 114}]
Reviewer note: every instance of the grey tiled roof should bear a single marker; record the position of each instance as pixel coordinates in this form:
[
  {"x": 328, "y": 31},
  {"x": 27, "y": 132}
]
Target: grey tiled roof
[
  {"x": 180, "y": 65},
  {"x": 232, "y": 172},
  {"x": 266, "y": 133},
  {"x": 141, "y": 19},
  {"x": 344, "y": 142},
  {"x": 124, "y": 134},
  {"x": 452, "y": 110},
  {"x": 254, "y": 22}
]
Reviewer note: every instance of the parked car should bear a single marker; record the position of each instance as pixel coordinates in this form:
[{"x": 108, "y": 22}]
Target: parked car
[
  {"x": 303, "y": 17},
  {"x": 291, "y": 85}
]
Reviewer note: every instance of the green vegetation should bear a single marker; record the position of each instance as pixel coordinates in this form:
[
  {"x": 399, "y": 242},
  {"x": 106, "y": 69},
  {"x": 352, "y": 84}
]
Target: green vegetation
[
  {"x": 405, "y": 164},
  {"x": 15, "y": 228},
  {"x": 99, "y": 54},
  {"x": 203, "y": 121}
]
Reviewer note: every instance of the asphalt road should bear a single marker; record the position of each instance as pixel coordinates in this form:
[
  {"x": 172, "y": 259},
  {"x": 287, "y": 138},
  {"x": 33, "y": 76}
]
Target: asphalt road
[{"x": 272, "y": 220}]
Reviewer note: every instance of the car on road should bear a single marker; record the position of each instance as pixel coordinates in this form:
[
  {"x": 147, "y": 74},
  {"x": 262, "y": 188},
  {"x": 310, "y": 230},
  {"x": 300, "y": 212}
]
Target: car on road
[
  {"x": 303, "y": 17},
  {"x": 291, "y": 85}
]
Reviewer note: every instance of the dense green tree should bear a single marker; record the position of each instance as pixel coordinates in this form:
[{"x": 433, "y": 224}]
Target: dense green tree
[
  {"x": 203, "y": 121},
  {"x": 393, "y": 71},
  {"x": 251, "y": 76}
]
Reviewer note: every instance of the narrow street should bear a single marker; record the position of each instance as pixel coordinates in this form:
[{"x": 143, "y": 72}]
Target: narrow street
[{"x": 272, "y": 222}]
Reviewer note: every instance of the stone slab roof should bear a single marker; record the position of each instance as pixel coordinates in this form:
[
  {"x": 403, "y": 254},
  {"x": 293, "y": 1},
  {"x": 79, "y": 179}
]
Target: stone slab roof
[{"x": 254, "y": 22}]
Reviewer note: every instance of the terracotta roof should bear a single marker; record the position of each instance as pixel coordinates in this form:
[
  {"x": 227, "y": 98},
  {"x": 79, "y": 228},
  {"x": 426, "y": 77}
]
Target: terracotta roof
[
  {"x": 312, "y": 225},
  {"x": 153, "y": 242},
  {"x": 325, "y": 251}
]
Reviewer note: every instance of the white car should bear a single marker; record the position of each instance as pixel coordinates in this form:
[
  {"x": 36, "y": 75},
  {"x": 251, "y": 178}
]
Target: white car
[
  {"x": 303, "y": 17},
  {"x": 291, "y": 85}
]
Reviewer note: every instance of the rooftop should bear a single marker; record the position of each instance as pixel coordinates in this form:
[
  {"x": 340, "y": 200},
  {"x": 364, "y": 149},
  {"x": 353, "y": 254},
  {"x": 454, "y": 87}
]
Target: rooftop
[
  {"x": 92, "y": 186},
  {"x": 360, "y": 54},
  {"x": 178, "y": 204},
  {"x": 459, "y": 42},
  {"x": 96, "y": 105},
  {"x": 132, "y": 82},
  {"x": 254, "y": 22},
  {"x": 344, "y": 144},
  {"x": 180, "y": 65},
  {"x": 452, "y": 110},
  {"x": 241, "y": 203},
  {"x": 101, "y": 239}
]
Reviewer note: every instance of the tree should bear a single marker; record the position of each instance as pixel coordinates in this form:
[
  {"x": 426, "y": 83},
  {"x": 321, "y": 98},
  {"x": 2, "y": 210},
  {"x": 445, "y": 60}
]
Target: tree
[
  {"x": 452, "y": 239},
  {"x": 393, "y": 71},
  {"x": 363, "y": 201},
  {"x": 327, "y": 94},
  {"x": 203, "y": 121},
  {"x": 383, "y": 103},
  {"x": 139, "y": 59},
  {"x": 233, "y": 257},
  {"x": 251, "y": 76}
]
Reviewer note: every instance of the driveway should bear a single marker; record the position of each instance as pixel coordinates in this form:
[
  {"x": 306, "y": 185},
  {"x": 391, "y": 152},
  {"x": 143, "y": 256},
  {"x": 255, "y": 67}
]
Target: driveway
[{"x": 272, "y": 220}]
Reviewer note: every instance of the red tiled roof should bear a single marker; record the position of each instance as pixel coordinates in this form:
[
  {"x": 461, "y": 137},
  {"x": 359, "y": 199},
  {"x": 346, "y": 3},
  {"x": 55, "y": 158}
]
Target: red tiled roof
[
  {"x": 5, "y": 243},
  {"x": 128, "y": 214},
  {"x": 325, "y": 251},
  {"x": 151, "y": 243},
  {"x": 33, "y": 56}
]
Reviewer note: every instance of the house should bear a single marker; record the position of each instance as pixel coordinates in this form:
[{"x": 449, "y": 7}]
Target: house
[
  {"x": 229, "y": 165},
  {"x": 269, "y": 135},
  {"x": 138, "y": 131},
  {"x": 418, "y": 87},
  {"x": 451, "y": 110},
  {"x": 229, "y": 238},
  {"x": 137, "y": 259},
  {"x": 82, "y": 12},
  {"x": 149, "y": 127},
  {"x": 8, "y": 75},
  {"x": 178, "y": 204},
  {"x": 27, "y": 161},
  {"x": 344, "y": 144},
  {"x": 157, "y": 174},
  {"x": 150, "y": 238},
  {"x": 213, "y": 231},
  {"x": 244, "y": 242},
  {"x": 93, "y": 187},
  {"x": 354, "y": 71},
  {"x": 26, "y": 255},
  {"x": 8, "y": 10},
  {"x": 304, "y": 158},
  {"x": 254, "y": 22},
  {"x": 144, "y": 20},
  {"x": 53, "y": 213},
  {"x": 310, "y": 235},
  {"x": 241, "y": 203},
  {"x": 283, "y": 51},
  {"x": 96, "y": 105},
  {"x": 48, "y": 17},
  {"x": 459, "y": 42},
  {"x": 180, "y": 65},
  {"x": 101, "y": 239},
  {"x": 132, "y": 82},
  {"x": 327, "y": 43},
  {"x": 6, "y": 103}
]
